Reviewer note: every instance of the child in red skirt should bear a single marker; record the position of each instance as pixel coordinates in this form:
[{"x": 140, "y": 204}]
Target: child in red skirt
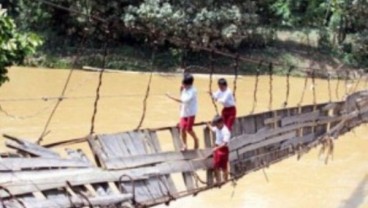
[
  {"x": 224, "y": 96},
  {"x": 188, "y": 110},
  {"x": 221, "y": 150}
]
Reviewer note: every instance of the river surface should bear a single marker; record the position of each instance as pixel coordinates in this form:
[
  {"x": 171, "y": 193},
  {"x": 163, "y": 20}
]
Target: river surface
[{"x": 309, "y": 182}]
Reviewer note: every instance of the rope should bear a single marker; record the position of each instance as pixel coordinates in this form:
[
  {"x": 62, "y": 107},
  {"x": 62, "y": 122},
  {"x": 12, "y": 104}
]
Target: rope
[
  {"x": 95, "y": 106},
  {"x": 329, "y": 87},
  {"x": 76, "y": 59},
  {"x": 236, "y": 69},
  {"x": 2, "y": 201},
  {"x": 304, "y": 89},
  {"x": 337, "y": 88},
  {"x": 37, "y": 113},
  {"x": 314, "y": 87},
  {"x": 256, "y": 88},
  {"x": 147, "y": 93},
  {"x": 270, "y": 71},
  {"x": 346, "y": 83},
  {"x": 212, "y": 69},
  {"x": 288, "y": 86},
  {"x": 357, "y": 83}
]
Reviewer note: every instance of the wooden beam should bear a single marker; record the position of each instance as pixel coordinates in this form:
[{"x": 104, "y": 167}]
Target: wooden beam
[
  {"x": 16, "y": 164},
  {"x": 29, "y": 147},
  {"x": 150, "y": 159}
]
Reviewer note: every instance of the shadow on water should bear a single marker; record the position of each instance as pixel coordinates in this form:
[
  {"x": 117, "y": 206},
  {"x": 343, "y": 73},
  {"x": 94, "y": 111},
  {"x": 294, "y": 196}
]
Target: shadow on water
[{"x": 357, "y": 197}]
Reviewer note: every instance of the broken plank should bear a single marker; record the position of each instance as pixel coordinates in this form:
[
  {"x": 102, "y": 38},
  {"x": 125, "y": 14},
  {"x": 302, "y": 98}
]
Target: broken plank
[
  {"x": 28, "y": 181},
  {"x": 73, "y": 201},
  {"x": 29, "y": 147},
  {"x": 15, "y": 164},
  {"x": 300, "y": 118},
  {"x": 265, "y": 143},
  {"x": 150, "y": 159},
  {"x": 187, "y": 176}
]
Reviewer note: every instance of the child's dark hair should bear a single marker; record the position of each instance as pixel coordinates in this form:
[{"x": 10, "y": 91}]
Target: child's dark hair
[
  {"x": 216, "y": 120},
  {"x": 188, "y": 79},
  {"x": 222, "y": 82}
]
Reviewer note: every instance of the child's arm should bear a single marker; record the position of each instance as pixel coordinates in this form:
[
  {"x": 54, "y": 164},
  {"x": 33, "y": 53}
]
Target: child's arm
[{"x": 173, "y": 98}]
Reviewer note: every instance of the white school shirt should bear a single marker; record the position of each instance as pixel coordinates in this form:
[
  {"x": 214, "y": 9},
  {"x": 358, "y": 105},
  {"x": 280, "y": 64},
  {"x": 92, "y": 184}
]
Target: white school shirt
[
  {"x": 226, "y": 98},
  {"x": 222, "y": 135},
  {"x": 189, "y": 106}
]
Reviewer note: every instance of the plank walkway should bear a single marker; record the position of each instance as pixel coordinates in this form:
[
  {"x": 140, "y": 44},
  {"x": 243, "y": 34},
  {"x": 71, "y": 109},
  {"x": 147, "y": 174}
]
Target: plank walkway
[{"x": 131, "y": 169}]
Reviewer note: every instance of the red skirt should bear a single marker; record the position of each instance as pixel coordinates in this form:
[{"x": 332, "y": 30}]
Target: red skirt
[
  {"x": 221, "y": 158},
  {"x": 186, "y": 123},
  {"x": 229, "y": 115}
]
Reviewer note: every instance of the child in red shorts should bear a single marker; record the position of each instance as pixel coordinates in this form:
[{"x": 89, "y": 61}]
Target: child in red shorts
[
  {"x": 188, "y": 110},
  {"x": 221, "y": 150},
  {"x": 224, "y": 96}
]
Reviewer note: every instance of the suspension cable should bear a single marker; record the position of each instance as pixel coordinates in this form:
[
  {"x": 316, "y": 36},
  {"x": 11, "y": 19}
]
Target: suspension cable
[
  {"x": 76, "y": 59},
  {"x": 358, "y": 82},
  {"x": 304, "y": 89},
  {"x": 314, "y": 87},
  {"x": 147, "y": 91},
  {"x": 329, "y": 87},
  {"x": 212, "y": 69},
  {"x": 337, "y": 87},
  {"x": 288, "y": 86},
  {"x": 236, "y": 69},
  {"x": 346, "y": 82},
  {"x": 270, "y": 71},
  {"x": 95, "y": 106},
  {"x": 256, "y": 88}
]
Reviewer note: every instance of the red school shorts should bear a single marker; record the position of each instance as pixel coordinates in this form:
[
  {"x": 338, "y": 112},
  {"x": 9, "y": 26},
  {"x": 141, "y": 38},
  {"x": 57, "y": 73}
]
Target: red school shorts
[
  {"x": 221, "y": 158},
  {"x": 186, "y": 123},
  {"x": 229, "y": 115}
]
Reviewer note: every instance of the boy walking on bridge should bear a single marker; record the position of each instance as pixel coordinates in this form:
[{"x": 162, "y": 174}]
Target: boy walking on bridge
[
  {"x": 221, "y": 150},
  {"x": 224, "y": 96},
  {"x": 188, "y": 110}
]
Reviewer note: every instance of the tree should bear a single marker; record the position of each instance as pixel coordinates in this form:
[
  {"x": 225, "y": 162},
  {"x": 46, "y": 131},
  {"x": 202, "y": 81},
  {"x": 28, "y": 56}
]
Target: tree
[{"x": 14, "y": 45}]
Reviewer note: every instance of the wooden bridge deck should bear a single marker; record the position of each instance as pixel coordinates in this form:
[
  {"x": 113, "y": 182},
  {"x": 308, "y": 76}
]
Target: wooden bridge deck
[{"x": 131, "y": 169}]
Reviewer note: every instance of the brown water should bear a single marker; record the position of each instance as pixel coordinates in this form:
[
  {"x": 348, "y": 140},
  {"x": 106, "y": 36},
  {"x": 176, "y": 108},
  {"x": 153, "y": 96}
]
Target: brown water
[{"x": 306, "y": 183}]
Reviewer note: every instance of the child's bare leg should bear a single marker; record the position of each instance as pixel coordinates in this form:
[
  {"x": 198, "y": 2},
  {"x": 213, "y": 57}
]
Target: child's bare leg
[
  {"x": 217, "y": 176},
  {"x": 225, "y": 174},
  {"x": 183, "y": 139},
  {"x": 196, "y": 143}
]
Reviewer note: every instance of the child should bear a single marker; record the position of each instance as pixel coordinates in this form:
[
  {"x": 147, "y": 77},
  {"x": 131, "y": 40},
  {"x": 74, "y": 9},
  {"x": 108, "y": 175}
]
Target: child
[
  {"x": 221, "y": 150},
  {"x": 188, "y": 110},
  {"x": 226, "y": 98}
]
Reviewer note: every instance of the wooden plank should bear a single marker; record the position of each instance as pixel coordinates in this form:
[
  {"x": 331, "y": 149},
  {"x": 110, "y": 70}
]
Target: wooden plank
[
  {"x": 78, "y": 155},
  {"x": 28, "y": 181},
  {"x": 264, "y": 143},
  {"x": 16, "y": 164},
  {"x": 112, "y": 144},
  {"x": 208, "y": 144},
  {"x": 152, "y": 140},
  {"x": 300, "y": 118},
  {"x": 150, "y": 159},
  {"x": 77, "y": 201},
  {"x": 298, "y": 140},
  {"x": 143, "y": 191},
  {"x": 29, "y": 147},
  {"x": 152, "y": 184},
  {"x": 176, "y": 138},
  {"x": 187, "y": 176}
]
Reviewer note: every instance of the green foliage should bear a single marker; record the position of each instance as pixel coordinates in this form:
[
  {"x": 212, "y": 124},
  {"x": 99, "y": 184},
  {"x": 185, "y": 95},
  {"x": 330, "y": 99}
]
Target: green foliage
[{"x": 14, "y": 46}]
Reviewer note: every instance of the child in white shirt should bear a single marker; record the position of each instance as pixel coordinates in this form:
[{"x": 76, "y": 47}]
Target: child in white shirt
[
  {"x": 224, "y": 96},
  {"x": 221, "y": 150},
  {"x": 188, "y": 110}
]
